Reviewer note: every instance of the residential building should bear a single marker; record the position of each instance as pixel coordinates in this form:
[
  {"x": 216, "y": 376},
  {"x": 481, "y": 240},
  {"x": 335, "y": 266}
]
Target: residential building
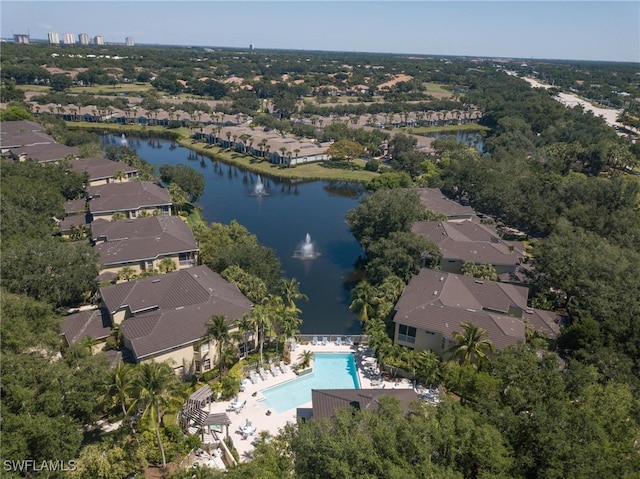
[
  {"x": 98, "y": 40},
  {"x": 163, "y": 318},
  {"x": 83, "y": 39},
  {"x": 94, "y": 324},
  {"x": 129, "y": 41},
  {"x": 131, "y": 198},
  {"x": 325, "y": 402},
  {"x": 44, "y": 153},
  {"x": 435, "y": 303},
  {"x": 54, "y": 38},
  {"x": 471, "y": 242},
  {"x": 142, "y": 243},
  {"x": 435, "y": 201},
  {"x": 69, "y": 39},
  {"x": 21, "y": 38},
  {"x": 101, "y": 171}
]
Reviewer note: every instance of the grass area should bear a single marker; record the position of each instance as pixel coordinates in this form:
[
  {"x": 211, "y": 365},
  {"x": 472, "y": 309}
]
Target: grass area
[
  {"x": 309, "y": 171},
  {"x": 34, "y": 88},
  {"x": 433, "y": 87},
  {"x": 112, "y": 90},
  {"x": 133, "y": 129},
  {"x": 193, "y": 215},
  {"x": 425, "y": 130}
]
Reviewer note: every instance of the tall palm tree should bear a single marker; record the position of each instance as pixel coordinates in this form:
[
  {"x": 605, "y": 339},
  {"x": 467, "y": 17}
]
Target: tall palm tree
[
  {"x": 245, "y": 325},
  {"x": 290, "y": 291},
  {"x": 261, "y": 317},
  {"x": 156, "y": 389},
  {"x": 119, "y": 388},
  {"x": 166, "y": 265},
  {"x": 364, "y": 299},
  {"x": 218, "y": 330},
  {"x": 470, "y": 345}
]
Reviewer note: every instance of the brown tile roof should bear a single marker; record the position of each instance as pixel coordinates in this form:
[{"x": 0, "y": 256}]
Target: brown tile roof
[
  {"x": 326, "y": 401},
  {"x": 434, "y": 200},
  {"x": 100, "y": 168},
  {"x": 131, "y": 195},
  {"x": 439, "y": 301},
  {"x": 16, "y": 134},
  {"x": 471, "y": 242},
  {"x": 86, "y": 324},
  {"x": 141, "y": 239},
  {"x": 171, "y": 310},
  {"x": 43, "y": 153},
  {"x": 75, "y": 206}
]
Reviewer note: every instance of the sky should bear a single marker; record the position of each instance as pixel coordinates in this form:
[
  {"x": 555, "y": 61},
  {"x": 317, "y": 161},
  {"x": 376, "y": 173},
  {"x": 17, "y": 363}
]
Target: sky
[{"x": 573, "y": 30}]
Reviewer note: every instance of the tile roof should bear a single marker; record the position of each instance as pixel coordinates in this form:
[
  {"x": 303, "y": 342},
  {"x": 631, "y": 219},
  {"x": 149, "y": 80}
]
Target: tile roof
[
  {"x": 141, "y": 239},
  {"x": 471, "y": 242},
  {"x": 43, "y": 153},
  {"x": 15, "y": 134},
  {"x": 100, "y": 168},
  {"x": 94, "y": 324},
  {"x": 439, "y": 301},
  {"x": 326, "y": 401},
  {"x": 434, "y": 200},
  {"x": 171, "y": 310},
  {"x": 130, "y": 195}
]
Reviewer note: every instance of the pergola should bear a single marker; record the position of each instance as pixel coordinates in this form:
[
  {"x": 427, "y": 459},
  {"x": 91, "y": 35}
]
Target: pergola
[{"x": 220, "y": 419}]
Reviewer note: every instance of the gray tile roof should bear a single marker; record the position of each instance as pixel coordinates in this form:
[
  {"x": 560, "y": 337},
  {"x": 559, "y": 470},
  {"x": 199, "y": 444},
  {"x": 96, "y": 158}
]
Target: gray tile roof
[
  {"x": 131, "y": 195},
  {"x": 171, "y": 310},
  {"x": 75, "y": 206},
  {"x": 86, "y": 324},
  {"x": 326, "y": 401},
  {"x": 470, "y": 242},
  {"x": 434, "y": 200},
  {"x": 15, "y": 134},
  {"x": 141, "y": 239},
  {"x": 43, "y": 153},
  {"x": 100, "y": 168},
  {"x": 438, "y": 301}
]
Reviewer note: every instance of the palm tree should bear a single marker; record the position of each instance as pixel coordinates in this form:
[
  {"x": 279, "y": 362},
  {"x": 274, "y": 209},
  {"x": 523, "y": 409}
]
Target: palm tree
[
  {"x": 364, "y": 299},
  {"x": 118, "y": 215},
  {"x": 119, "y": 175},
  {"x": 218, "y": 330},
  {"x": 305, "y": 359},
  {"x": 156, "y": 389},
  {"x": 428, "y": 367},
  {"x": 470, "y": 345},
  {"x": 261, "y": 317},
  {"x": 166, "y": 265},
  {"x": 245, "y": 326},
  {"x": 126, "y": 273},
  {"x": 290, "y": 292},
  {"x": 119, "y": 387}
]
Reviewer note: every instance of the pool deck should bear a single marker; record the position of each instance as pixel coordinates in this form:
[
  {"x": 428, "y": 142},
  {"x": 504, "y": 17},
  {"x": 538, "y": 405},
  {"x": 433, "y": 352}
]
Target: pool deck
[{"x": 255, "y": 410}]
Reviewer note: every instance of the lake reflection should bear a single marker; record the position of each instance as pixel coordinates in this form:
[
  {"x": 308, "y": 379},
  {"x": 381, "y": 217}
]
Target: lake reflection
[{"x": 281, "y": 217}]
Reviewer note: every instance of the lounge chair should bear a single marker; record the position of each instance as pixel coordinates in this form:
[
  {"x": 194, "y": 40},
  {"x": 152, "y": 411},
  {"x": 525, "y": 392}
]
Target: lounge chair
[
  {"x": 274, "y": 370},
  {"x": 338, "y": 341},
  {"x": 314, "y": 341},
  {"x": 263, "y": 374},
  {"x": 324, "y": 340},
  {"x": 253, "y": 377},
  {"x": 293, "y": 345},
  {"x": 349, "y": 341},
  {"x": 283, "y": 367}
]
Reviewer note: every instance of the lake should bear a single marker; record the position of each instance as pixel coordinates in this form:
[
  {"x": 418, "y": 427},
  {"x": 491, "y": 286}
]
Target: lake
[{"x": 281, "y": 218}]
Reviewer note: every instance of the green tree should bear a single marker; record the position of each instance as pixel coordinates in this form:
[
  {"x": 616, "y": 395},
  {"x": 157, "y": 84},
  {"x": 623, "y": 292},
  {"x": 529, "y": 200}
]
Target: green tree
[
  {"x": 471, "y": 345},
  {"x": 178, "y": 196},
  {"x": 290, "y": 292},
  {"x": 261, "y": 316},
  {"x": 480, "y": 271},
  {"x": 166, "y": 265},
  {"x": 346, "y": 150},
  {"x": 156, "y": 389},
  {"x": 189, "y": 180},
  {"x": 218, "y": 330},
  {"x": 364, "y": 300}
]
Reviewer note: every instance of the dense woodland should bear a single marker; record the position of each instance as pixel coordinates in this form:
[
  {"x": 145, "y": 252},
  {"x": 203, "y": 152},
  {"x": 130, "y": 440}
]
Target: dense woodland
[{"x": 565, "y": 409}]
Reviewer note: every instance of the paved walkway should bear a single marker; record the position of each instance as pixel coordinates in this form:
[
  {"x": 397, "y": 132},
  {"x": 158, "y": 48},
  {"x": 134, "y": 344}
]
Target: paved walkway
[{"x": 255, "y": 409}]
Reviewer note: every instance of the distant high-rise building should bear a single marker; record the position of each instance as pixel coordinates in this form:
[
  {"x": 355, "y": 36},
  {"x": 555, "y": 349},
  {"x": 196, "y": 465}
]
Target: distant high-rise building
[
  {"x": 69, "y": 39},
  {"x": 129, "y": 41},
  {"x": 54, "y": 38},
  {"x": 83, "y": 39},
  {"x": 250, "y": 46},
  {"x": 20, "y": 38},
  {"x": 98, "y": 40}
]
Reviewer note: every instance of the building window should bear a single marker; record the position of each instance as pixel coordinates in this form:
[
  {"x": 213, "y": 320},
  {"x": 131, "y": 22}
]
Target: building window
[
  {"x": 204, "y": 349},
  {"x": 197, "y": 365},
  {"x": 406, "y": 334},
  {"x": 207, "y": 364}
]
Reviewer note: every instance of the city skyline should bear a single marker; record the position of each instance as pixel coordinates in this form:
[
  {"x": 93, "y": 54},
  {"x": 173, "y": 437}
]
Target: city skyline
[{"x": 588, "y": 30}]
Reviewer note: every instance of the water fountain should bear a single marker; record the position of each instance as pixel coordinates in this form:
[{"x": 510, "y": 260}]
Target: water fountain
[
  {"x": 306, "y": 250},
  {"x": 123, "y": 140},
  {"x": 259, "y": 188}
]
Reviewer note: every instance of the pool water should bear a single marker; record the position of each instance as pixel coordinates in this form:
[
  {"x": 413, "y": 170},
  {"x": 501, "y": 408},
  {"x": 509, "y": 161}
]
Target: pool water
[{"x": 330, "y": 371}]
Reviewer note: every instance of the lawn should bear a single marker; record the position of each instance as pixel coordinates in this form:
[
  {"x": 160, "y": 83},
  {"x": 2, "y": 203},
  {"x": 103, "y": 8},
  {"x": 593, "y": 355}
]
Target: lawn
[
  {"x": 425, "y": 130},
  {"x": 112, "y": 90}
]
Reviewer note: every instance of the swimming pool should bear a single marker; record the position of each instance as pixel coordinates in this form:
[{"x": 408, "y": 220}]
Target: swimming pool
[{"x": 330, "y": 371}]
